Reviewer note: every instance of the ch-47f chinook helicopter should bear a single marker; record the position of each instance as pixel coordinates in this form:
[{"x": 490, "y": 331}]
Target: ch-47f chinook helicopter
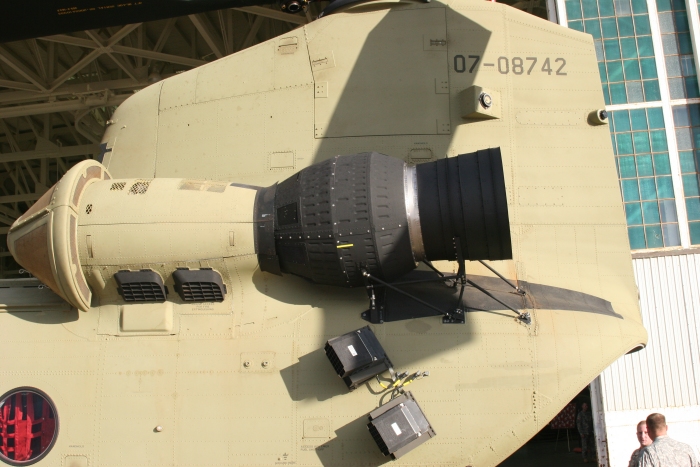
[{"x": 274, "y": 246}]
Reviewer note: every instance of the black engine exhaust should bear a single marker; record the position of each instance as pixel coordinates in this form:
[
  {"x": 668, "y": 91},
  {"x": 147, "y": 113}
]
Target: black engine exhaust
[{"x": 372, "y": 212}]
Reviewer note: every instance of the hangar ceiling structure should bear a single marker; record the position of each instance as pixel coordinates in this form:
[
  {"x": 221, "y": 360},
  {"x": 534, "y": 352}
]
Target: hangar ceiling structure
[{"x": 57, "y": 93}]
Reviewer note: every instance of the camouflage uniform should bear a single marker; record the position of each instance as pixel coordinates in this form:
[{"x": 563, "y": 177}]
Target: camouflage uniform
[
  {"x": 667, "y": 452},
  {"x": 636, "y": 456},
  {"x": 584, "y": 424}
]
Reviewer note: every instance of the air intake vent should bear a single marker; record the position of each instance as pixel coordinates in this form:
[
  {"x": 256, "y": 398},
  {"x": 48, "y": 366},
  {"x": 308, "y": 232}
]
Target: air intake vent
[
  {"x": 140, "y": 187},
  {"x": 118, "y": 186},
  {"x": 199, "y": 285},
  {"x": 141, "y": 286}
]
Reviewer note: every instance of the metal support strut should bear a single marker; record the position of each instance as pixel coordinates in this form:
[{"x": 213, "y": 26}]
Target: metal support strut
[{"x": 375, "y": 313}]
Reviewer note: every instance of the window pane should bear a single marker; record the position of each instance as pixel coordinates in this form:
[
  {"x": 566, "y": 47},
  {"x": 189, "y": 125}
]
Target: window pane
[
  {"x": 663, "y": 5},
  {"x": 667, "y": 208},
  {"x": 593, "y": 27},
  {"x": 662, "y": 166},
  {"x": 654, "y": 237},
  {"x": 630, "y": 191},
  {"x": 694, "y": 233},
  {"x": 681, "y": 18},
  {"x": 629, "y": 47},
  {"x": 624, "y": 144},
  {"x": 622, "y": 7},
  {"x": 690, "y": 185},
  {"x": 658, "y": 141},
  {"x": 692, "y": 205},
  {"x": 606, "y": 94},
  {"x": 590, "y": 9},
  {"x": 627, "y": 167},
  {"x": 638, "y": 6},
  {"x": 676, "y": 89},
  {"x": 618, "y": 93},
  {"x": 621, "y": 120},
  {"x": 646, "y": 47},
  {"x": 686, "y": 45},
  {"x": 670, "y": 46},
  {"x": 673, "y": 66},
  {"x": 609, "y": 27},
  {"x": 651, "y": 90},
  {"x": 665, "y": 187},
  {"x": 599, "y": 55},
  {"x": 665, "y": 21},
  {"x": 641, "y": 25},
  {"x": 650, "y": 211},
  {"x": 644, "y": 166},
  {"x": 633, "y": 212},
  {"x": 641, "y": 143},
  {"x": 638, "y": 117},
  {"x": 625, "y": 26},
  {"x": 656, "y": 117},
  {"x": 691, "y": 87},
  {"x": 632, "y": 71},
  {"x": 612, "y": 49},
  {"x": 647, "y": 188},
  {"x": 603, "y": 72},
  {"x": 615, "y": 71},
  {"x": 681, "y": 116},
  {"x": 575, "y": 24},
  {"x": 634, "y": 91},
  {"x": 636, "y": 236},
  {"x": 671, "y": 235},
  {"x": 606, "y": 8},
  {"x": 687, "y": 161},
  {"x": 684, "y": 137},
  {"x": 694, "y": 112},
  {"x": 648, "y": 68},
  {"x": 687, "y": 65}
]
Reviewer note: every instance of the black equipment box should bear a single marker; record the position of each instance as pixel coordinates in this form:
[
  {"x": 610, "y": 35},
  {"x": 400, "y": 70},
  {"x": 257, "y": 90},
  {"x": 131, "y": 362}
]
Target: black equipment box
[
  {"x": 357, "y": 356},
  {"x": 399, "y": 426}
]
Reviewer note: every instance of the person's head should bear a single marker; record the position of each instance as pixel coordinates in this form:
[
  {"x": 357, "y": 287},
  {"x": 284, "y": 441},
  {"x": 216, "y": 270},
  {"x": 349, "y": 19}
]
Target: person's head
[
  {"x": 643, "y": 434},
  {"x": 656, "y": 425},
  {"x": 584, "y": 407}
]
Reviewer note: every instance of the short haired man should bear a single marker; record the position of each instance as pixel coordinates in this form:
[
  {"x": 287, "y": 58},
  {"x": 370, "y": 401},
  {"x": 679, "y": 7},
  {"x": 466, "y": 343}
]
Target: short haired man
[
  {"x": 665, "y": 451},
  {"x": 584, "y": 424},
  {"x": 644, "y": 441}
]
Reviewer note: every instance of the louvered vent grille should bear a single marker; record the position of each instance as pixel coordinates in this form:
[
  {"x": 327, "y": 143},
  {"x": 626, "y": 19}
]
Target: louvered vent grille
[
  {"x": 201, "y": 292},
  {"x": 141, "y": 286},
  {"x": 118, "y": 186},
  {"x": 199, "y": 285},
  {"x": 378, "y": 439},
  {"x": 335, "y": 361}
]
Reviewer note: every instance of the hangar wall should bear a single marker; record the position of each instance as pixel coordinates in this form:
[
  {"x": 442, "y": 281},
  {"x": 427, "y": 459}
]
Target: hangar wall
[{"x": 665, "y": 376}]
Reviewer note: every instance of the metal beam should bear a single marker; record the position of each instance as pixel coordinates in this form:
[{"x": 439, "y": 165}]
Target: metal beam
[
  {"x": 254, "y": 28},
  {"x": 13, "y": 62},
  {"x": 122, "y": 49},
  {"x": 273, "y": 14},
  {"x": 213, "y": 41},
  {"x": 17, "y": 97},
  {"x": 6, "y": 83},
  {"x": 62, "y": 106},
  {"x": 82, "y": 63},
  {"x": 65, "y": 151},
  {"x": 19, "y": 198}
]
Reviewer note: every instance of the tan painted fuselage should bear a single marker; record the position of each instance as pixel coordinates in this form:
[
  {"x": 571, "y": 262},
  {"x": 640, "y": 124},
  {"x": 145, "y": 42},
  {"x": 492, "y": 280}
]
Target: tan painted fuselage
[{"x": 245, "y": 382}]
